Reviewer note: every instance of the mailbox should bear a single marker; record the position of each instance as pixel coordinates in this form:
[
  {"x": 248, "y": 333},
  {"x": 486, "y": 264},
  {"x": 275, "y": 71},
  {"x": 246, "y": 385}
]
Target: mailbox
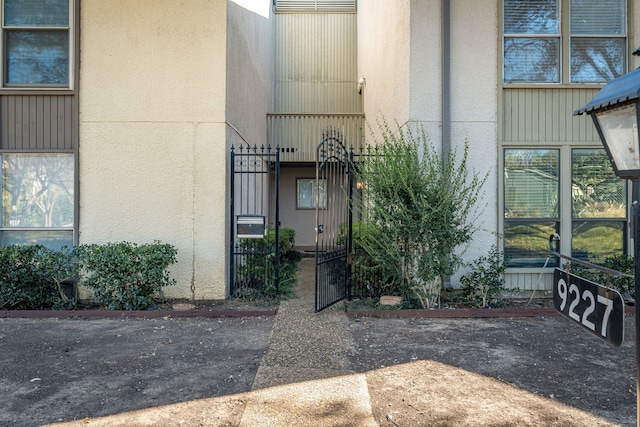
[{"x": 251, "y": 226}]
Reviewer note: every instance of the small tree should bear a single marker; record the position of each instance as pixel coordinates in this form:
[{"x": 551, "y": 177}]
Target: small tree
[{"x": 421, "y": 206}]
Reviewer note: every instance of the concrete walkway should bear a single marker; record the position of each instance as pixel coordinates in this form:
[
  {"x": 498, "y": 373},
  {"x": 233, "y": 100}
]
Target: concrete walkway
[{"x": 304, "y": 347}]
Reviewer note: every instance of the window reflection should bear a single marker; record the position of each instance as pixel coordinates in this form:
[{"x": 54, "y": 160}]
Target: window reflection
[{"x": 37, "y": 191}]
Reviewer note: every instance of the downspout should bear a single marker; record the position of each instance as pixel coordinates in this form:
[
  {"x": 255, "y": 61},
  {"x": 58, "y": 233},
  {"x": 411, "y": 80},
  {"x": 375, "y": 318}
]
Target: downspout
[
  {"x": 446, "y": 90},
  {"x": 446, "y": 79}
]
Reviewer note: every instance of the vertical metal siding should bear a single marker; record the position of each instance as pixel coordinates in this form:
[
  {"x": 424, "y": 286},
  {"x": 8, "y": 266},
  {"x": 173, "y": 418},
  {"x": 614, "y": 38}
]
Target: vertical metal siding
[
  {"x": 298, "y": 135},
  {"x": 38, "y": 122},
  {"x": 316, "y": 63},
  {"x": 315, "y": 5},
  {"x": 546, "y": 115},
  {"x": 529, "y": 281}
]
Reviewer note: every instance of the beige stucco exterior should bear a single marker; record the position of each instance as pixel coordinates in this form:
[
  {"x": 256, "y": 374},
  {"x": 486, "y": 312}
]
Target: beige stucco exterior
[
  {"x": 155, "y": 99},
  {"x": 166, "y": 87},
  {"x": 403, "y": 71}
]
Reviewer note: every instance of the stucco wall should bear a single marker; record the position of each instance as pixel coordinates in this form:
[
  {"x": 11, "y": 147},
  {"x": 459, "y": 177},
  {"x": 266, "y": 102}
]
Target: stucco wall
[
  {"x": 384, "y": 42},
  {"x": 474, "y": 104},
  {"x": 152, "y": 132},
  {"x": 249, "y": 68},
  {"x": 403, "y": 69}
]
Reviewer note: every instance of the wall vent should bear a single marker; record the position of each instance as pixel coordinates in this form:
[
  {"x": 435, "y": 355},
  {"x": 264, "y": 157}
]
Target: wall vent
[{"x": 315, "y": 5}]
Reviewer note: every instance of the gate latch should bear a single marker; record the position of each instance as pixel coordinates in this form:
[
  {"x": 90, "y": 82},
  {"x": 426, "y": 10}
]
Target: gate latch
[{"x": 319, "y": 229}]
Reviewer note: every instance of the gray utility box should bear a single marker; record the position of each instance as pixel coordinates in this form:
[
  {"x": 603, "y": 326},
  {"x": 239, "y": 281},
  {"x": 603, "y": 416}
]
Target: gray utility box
[{"x": 251, "y": 226}]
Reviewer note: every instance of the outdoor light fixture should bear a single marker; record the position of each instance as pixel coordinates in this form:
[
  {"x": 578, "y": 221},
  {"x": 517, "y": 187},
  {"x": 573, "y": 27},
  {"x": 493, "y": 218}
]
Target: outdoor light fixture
[
  {"x": 362, "y": 82},
  {"x": 615, "y": 111}
]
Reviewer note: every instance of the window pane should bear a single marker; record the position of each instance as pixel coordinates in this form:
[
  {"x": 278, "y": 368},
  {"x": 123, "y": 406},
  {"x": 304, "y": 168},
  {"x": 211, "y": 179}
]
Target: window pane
[
  {"x": 37, "y": 57},
  {"x": 595, "y": 240},
  {"x": 526, "y": 244},
  {"x": 598, "y": 17},
  {"x": 37, "y": 191},
  {"x": 51, "y": 239},
  {"x": 596, "y": 191},
  {"x": 306, "y": 194},
  {"x": 531, "y": 60},
  {"x": 531, "y": 184},
  {"x": 531, "y": 17},
  {"x": 36, "y": 13},
  {"x": 597, "y": 60}
]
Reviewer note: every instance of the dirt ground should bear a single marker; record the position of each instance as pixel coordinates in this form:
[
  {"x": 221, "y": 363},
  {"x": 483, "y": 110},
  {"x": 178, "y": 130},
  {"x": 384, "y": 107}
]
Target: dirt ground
[
  {"x": 195, "y": 368},
  {"x": 495, "y": 372},
  {"x": 418, "y": 372}
]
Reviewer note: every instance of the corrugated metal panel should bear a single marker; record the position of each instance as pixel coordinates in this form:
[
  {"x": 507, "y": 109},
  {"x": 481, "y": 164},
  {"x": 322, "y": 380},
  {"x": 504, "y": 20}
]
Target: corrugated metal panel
[
  {"x": 316, "y": 64},
  {"x": 37, "y": 122},
  {"x": 298, "y": 135},
  {"x": 546, "y": 115},
  {"x": 529, "y": 281},
  {"x": 315, "y": 5}
]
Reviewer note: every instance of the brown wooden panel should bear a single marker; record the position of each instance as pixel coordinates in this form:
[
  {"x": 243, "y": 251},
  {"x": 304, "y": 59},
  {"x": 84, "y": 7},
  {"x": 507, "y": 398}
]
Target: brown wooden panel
[{"x": 38, "y": 122}]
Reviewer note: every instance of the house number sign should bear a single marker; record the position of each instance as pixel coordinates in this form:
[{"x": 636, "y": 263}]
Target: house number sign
[{"x": 598, "y": 309}]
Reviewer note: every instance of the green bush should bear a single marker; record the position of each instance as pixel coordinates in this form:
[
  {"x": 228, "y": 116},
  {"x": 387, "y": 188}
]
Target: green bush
[
  {"x": 483, "y": 286},
  {"x": 31, "y": 277},
  {"x": 125, "y": 276},
  {"x": 369, "y": 278},
  {"x": 424, "y": 208},
  {"x": 255, "y": 276},
  {"x": 622, "y": 263}
]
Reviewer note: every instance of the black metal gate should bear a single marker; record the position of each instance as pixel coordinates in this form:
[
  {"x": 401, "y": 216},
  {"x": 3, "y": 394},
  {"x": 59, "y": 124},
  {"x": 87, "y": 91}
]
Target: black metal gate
[
  {"x": 254, "y": 268},
  {"x": 333, "y": 220}
]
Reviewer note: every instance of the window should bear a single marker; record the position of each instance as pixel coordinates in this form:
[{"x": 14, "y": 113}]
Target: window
[
  {"x": 598, "y": 205},
  {"x": 310, "y": 194},
  {"x": 37, "y": 199},
  {"x": 36, "y": 43},
  {"x": 542, "y": 38},
  {"x": 532, "y": 208},
  {"x": 531, "y": 205}
]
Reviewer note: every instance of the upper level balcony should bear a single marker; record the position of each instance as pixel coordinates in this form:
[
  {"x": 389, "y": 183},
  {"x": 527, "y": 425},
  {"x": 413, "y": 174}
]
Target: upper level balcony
[{"x": 298, "y": 135}]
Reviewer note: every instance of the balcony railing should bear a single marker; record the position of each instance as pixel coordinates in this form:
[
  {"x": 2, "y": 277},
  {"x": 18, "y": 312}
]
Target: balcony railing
[{"x": 298, "y": 135}]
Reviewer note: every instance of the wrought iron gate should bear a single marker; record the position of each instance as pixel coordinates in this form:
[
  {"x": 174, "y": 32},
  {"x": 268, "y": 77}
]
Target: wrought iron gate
[
  {"x": 254, "y": 268},
  {"x": 333, "y": 220}
]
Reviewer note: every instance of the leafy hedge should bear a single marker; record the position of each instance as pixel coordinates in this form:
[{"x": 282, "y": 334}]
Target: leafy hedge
[
  {"x": 123, "y": 276},
  {"x": 31, "y": 278},
  {"x": 622, "y": 263},
  {"x": 255, "y": 276}
]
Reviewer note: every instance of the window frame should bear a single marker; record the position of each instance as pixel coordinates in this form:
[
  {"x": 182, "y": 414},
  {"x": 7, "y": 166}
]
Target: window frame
[
  {"x": 26, "y": 230},
  {"x": 565, "y": 39},
  {"x": 71, "y": 31},
  {"x": 554, "y": 222},
  {"x": 315, "y": 196},
  {"x": 603, "y": 220}
]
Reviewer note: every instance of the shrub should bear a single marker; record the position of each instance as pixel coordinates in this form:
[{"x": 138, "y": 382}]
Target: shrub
[
  {"x": 483, "y": 286},
  {"x": 422, "y": 206},
  {"x": 622, "y": 263},
  {"x": 369, "y": 278},
  {"x": 31, "y": 277},
  {"x": 125, "y": 276},
  {"x": 255, "y": 275}
]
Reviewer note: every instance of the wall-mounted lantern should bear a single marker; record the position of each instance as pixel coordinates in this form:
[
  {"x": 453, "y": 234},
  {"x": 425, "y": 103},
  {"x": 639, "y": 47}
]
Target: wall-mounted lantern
[{"x": 615, "y": 111}]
